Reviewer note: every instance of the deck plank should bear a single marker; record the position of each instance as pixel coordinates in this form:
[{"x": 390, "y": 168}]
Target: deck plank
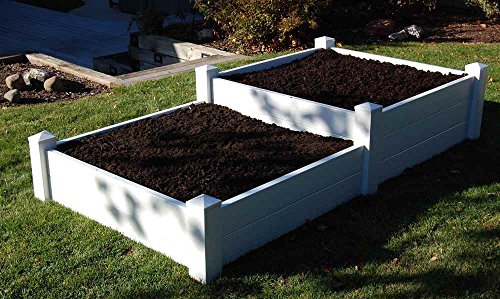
[{"x": 76, "y": 39}]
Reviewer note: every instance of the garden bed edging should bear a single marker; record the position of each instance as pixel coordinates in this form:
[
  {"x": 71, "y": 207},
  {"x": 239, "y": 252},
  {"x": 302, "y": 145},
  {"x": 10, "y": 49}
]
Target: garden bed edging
[
  {"x": 397, "y": 136},
  {"x": 203, "y": 233}
]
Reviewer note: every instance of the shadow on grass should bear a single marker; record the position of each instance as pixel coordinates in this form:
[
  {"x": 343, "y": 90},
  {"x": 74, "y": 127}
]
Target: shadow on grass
[{"x": 358, "y": 231}]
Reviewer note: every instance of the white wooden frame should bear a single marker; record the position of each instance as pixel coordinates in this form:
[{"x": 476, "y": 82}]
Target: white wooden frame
[
  {"x": 203, "y": 233},
  {"x": 398, "y": 136}
]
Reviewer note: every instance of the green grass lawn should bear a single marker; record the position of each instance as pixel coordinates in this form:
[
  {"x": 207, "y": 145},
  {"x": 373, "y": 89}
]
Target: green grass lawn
[{"x": 434, "y": 231}]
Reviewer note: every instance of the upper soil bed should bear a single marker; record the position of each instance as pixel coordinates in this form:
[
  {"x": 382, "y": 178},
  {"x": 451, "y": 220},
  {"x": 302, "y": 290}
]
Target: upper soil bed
[
  {"x": 345, "y": 81},
  {"x": 205, "y": 149}
]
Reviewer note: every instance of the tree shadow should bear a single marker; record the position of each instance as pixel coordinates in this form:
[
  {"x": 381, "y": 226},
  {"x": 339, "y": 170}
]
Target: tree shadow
[{"x": 357, "y": 231}]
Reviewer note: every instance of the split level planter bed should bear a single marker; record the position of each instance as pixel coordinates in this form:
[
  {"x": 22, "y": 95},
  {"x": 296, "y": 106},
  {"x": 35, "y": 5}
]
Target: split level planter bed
[
  {"x": 204, "y": 184},
  {"x": 403, "y": 112},
  {"x": 200, "y": 183}
]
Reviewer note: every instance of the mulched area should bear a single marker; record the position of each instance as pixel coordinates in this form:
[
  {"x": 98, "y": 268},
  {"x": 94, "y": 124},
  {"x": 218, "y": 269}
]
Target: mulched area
[
  {"x": 462, "y": 29},
  {"x": 76, "y": 87},
  {"x": 204, "y": 149},
  {"x": 441, "y": 26},
  {"x": 345, "y": 81}
]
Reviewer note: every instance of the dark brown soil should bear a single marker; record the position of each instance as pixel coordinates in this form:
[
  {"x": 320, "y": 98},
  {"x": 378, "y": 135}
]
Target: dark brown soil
[
  {"x": 345, "y": 81},
  {"x": 76, "y": 87},
  {"x": 205, "y": 149}
]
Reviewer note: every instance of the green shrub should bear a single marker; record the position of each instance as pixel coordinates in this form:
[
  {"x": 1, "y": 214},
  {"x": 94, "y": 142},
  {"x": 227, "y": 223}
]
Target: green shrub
[
  {"x": 491, "y": 8},
  {"x": 262, "y": 23},
  {"x": 276, "y": 24}
]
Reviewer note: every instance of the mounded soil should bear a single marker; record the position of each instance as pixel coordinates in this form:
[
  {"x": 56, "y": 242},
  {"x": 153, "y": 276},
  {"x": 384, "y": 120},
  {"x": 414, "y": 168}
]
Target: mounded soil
[
  {"x": 345, "y": 81},
  {"x": 204, "y": 149},
  {"x": 76, "y": 87}
]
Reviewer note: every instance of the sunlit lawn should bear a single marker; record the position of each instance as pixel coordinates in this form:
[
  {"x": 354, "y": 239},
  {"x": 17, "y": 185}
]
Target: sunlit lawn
[{"x": 435, "y": 231}]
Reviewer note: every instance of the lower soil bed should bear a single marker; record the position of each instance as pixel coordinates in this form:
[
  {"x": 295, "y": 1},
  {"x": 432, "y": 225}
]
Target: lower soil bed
[
  {"x": 345, "y": 81},
  {"x": 204, "y": 149}
]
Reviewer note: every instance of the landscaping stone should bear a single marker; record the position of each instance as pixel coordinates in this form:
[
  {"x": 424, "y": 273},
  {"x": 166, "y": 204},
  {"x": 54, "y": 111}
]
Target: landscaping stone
[
  {"x": 36, "y": 74},
  {"x": 13, "y": 96},
  {"x": 399, "y": 36},
  {"x": 54, "y": 83},
  {"x": 410, "y": 31},
  {"x": 15, "y": 82},
  {"x": 205, "y": 34},
  {"x": 415, "y": 31}
]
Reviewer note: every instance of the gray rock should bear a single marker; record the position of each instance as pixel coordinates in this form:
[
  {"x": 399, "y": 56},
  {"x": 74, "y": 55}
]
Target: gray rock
[
  {"x": 399, "y": 36},
  {"x": 54, "y": 83},
  {"x": 205, "y": 34},
  {"x": 415, "y": 31},
  {"x": 36, "y": 74},
  {"x": 410, "y": 31},
  {"x": 15, "y": 82},
  {"x": 13, "y": 96}
]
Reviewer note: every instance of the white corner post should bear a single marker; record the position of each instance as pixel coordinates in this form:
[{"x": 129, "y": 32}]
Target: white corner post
[
  {"x": 324, "y": 42},
  {"x": 367, "y": 118},
  {"x": 204, "y": 231},
  {"x": 480, "y": 72},
  {"x": 39, "y": 145},
  {"x": 204, "y": 76}
]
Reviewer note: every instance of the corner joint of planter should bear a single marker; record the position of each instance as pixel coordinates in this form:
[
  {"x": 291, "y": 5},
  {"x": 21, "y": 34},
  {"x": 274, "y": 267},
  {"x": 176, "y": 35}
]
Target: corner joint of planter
[
  {"x": 204, "y": 82},
  {"x": 39, "y": 145},
  {"x": 480, "y": 73}
]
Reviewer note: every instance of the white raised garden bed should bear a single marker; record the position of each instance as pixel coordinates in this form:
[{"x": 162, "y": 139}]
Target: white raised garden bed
[
  {"x": 203, "y": 233},
  {"x": 398, "y": 136}
]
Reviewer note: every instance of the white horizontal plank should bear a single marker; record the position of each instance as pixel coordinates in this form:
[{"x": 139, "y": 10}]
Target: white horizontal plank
[
  {"x": 269, "y": 63},
  {"x": 290, "y": 217},
  {"x": 131, "y": 121},
  {"x": 425, "y": 128},
  {"x": 300, "y": 114},
  {"x": 395, "y": 165},
  {"x": 423, "y": 105},
  {"x": 417, "y": 65},
  {"x": 261, "y": 201},
  {"x": 139, "y": 213}
]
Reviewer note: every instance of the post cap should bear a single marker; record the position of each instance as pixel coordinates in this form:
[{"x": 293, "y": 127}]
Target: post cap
[
  {"x": 324, "y": 42},
  {"x": 203, "y": 202},
  {"x": 42, "y": 137},
  {"x": 207, "y": 68},
  {"x": 368, "y": 107}
]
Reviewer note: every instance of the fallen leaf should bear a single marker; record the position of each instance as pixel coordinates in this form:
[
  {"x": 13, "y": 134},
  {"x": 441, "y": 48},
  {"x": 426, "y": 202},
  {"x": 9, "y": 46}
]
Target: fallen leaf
[
  {"x": 483, "y": 25},
  {"x": 491, "y": 79},
  {"x": 73, "y": 131},
  {"x": 433, "y": 259}
]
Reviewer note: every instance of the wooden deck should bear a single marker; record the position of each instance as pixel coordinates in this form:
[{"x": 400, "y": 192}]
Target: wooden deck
[{"x": 25, "y": 29}]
